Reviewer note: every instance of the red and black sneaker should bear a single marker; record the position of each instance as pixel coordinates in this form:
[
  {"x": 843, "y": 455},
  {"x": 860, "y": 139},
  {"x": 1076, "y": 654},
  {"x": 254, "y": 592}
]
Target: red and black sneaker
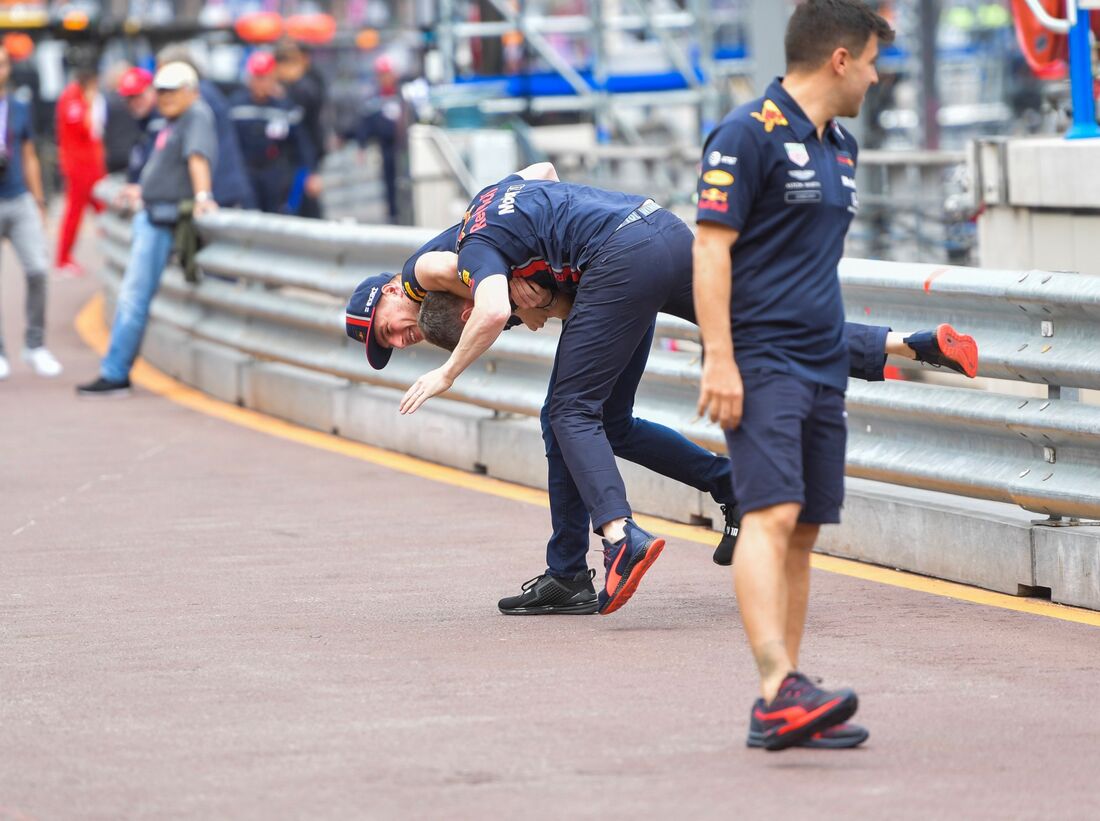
[
  {"x": 837, "y": 737},
  {"x": 625, "y": 562},
  {"x": 800, "y": 710},
  {"x": 946, "y": 348}
]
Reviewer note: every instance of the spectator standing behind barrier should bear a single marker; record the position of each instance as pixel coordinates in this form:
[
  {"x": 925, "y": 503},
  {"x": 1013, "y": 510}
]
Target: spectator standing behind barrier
[
  {"x": 135, "y": 89},
  {"x": 306, "y": 88},
  {"x": 383, "y": 120},
  {"x": 231, "y": 187},
  {"x": 178, "y": 170},
  {"x": 270, "y": 134},
  {"x": 123, "y": 130},
  {"x": 22, "y": 220},
  {"x": 81, "y": 115}
]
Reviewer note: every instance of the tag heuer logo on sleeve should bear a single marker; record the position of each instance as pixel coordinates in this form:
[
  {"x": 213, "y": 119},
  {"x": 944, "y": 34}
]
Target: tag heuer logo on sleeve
[{"x": 797, "y": 153}]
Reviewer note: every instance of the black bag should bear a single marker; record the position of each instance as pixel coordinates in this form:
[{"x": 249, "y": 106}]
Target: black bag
[{"x": 163, "y": 214}]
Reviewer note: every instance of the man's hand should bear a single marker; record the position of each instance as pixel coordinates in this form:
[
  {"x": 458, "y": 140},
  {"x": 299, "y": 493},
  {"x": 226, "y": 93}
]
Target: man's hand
[
  {"x": 533, "y": 318},
  {"x": 314, "y": 185},
  {"x": 129, "y": 197},
  {"x": 203, "y": 207},
  {"x": 721, "y": 394},
  {"x": 527, "y": 294},
  {"x": 430, "y": 384}
]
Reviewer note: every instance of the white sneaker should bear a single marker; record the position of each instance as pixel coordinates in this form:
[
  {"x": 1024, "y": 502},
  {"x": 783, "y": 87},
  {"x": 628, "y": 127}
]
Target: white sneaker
[
  {"x": 5, "y": 368},
  {"x": 42, "y": 362}
]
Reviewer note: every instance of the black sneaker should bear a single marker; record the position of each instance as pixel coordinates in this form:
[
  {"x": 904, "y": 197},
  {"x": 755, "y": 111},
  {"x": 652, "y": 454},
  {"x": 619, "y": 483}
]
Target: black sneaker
[
  {"x": 547, "y": 595},
  {"x": 947, "y": 348},
  {"x": 800, "y": 710},
  {"x": 104, "y": 387},
  {"x": 837, "y": 737},
  {"x": 723, "y": 554}
]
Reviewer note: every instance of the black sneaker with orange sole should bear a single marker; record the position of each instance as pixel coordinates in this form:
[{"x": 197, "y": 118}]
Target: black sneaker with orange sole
[
  {"x": 800, "y": 710},
  {"x": 838, "y": 737},
  {"x": 625, "y": 562},
  {"x": 945, "y": 347}
]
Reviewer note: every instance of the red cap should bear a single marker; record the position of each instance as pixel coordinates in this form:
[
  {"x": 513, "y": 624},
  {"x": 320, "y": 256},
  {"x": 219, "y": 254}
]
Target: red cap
[
  {"x": 134, "y": 81},
  {"x": 260, "y": 64},
  {"x": 383, "y": 64}
]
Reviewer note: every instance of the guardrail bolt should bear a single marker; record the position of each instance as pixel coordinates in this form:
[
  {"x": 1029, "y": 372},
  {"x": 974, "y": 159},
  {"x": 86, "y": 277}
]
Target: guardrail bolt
[
  {"x": 1047, "y": 327},
  {"x": 1049, "y": 455}
]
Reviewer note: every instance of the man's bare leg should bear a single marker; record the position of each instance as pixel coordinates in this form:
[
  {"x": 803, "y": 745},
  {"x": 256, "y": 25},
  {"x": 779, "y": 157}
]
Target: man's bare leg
[
  {"x": 798, "y": 584},
  {"x": 895, "y": 346},
  {"x": 761, "y": 584}
]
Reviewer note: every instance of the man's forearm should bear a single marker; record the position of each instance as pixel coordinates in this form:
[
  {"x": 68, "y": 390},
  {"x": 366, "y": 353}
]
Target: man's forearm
[
  {"x": 198, "y": 167},
  {"x": 711, "y": 286},
  {"x": 481, "y": 331}
]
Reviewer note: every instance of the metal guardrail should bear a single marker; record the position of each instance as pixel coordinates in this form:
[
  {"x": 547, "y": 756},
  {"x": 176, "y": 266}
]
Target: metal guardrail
[{"x": 290, "y": 277}]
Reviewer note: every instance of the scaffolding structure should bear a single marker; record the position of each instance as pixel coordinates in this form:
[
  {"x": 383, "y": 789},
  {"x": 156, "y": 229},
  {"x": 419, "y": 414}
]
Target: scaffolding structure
[{"x": 694, "y": 64}]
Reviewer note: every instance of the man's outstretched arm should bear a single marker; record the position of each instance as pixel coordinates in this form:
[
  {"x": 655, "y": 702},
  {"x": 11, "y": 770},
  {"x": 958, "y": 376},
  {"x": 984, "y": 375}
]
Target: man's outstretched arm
[{"x": 487, "y": 320}]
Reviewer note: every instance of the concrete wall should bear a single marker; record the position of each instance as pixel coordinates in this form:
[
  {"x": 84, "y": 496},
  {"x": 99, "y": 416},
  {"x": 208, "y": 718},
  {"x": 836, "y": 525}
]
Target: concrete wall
[{"x": 1041, "y": 204}]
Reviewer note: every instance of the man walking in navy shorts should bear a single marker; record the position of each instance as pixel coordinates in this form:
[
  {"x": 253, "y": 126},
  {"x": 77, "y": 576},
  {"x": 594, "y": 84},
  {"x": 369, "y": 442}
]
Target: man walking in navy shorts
[{"x": 776, "y": 196}]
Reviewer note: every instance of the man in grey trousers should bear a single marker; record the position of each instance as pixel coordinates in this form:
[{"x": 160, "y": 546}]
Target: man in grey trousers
[{"x": 22, "y": 221}]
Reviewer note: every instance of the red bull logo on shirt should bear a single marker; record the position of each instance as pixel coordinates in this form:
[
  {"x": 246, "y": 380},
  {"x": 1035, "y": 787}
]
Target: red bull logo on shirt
[
  {"x": 477, "y": 222},
  {"x": 770, "y": 116},
  {"x": 714, "y": 195}
]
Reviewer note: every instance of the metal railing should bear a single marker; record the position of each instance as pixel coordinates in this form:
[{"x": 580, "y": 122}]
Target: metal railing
[{"x": 275, "y": 288}]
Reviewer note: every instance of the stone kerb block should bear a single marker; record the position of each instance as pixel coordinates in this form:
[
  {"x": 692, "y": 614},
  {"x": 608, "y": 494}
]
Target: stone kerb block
[
  {"x": 965, "y": 540},
  {"x": 1067, "y": 560},
  {"x": 442, "y": 431},
  {"x": 297, "y": 395},
  {"x": 170, "y": 350},
  {"x": 219, "y": 371}
]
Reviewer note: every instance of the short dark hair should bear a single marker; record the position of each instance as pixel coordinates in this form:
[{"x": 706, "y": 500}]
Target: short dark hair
[
  {"x": 287, "y": 50},
  {"x": 440, "y": 319},
  {"x": 819, "y": 27}
]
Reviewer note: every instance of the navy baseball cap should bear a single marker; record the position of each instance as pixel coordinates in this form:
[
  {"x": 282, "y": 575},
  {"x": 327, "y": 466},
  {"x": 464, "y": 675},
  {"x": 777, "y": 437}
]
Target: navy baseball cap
[{"x": 360, "y": 316}]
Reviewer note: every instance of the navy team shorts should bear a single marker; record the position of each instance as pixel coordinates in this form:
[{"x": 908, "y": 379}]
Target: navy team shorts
[{"x": 790, "y": 446}]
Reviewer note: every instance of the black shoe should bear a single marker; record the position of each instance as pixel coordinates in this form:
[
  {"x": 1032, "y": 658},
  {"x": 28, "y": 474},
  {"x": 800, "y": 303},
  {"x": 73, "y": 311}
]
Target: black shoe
[
  {"x": 104, "y": 387},
  {"x": 944, "y": 347},
  {"x": 837, "y": 737},
  {"x": 800, "y": 711},
  {"x": 723, "y": 554},
  {"x": 548, "y": 595}
]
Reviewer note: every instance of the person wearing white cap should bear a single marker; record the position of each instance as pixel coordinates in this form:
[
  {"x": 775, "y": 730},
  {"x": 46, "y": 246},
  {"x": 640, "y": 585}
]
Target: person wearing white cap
[{"x": 177, "y": 170}]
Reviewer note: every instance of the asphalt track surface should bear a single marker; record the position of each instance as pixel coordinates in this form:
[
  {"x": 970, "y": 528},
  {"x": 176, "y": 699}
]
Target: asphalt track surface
[{"x": 201, "y": 620}]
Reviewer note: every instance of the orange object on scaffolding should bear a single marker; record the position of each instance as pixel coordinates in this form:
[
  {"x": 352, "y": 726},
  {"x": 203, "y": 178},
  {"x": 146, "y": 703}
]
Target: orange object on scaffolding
[
  {"x": 1046, "y": 52},
  {"x": 259, "y": 27},
  {"x": 314, "y": 29}
]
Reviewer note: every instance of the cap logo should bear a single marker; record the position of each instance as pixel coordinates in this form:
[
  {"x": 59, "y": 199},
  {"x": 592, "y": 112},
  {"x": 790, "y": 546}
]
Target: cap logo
[{"x": 370, "y": 298}]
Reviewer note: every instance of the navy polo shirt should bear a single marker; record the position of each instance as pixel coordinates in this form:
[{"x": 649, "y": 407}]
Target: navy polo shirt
[
  {"x": 544, "y": 230},
  {"x": 445, "y": 241},
  {"x": 792, "y": 196}
]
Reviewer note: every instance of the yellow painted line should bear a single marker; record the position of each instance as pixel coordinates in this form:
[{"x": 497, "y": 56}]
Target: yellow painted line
[{"x": 93, "y": 330}]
